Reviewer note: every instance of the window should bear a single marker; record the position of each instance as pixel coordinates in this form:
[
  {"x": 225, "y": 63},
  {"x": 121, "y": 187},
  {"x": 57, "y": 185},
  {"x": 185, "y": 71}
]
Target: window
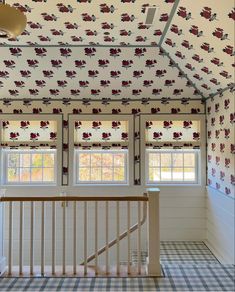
[
  {"x": 101, "y": 151},
  {"x": 172, "y": 150},
  {"x": 29, "y": 150},
  {"x": 172, "y": 166},
  {"x": 104, "y": 166},
  {"x": 32, "y": 166}
]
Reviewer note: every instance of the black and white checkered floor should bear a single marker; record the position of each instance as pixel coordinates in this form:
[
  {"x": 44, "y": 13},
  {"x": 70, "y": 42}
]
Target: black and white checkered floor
[{"x": 187, "y": 266}]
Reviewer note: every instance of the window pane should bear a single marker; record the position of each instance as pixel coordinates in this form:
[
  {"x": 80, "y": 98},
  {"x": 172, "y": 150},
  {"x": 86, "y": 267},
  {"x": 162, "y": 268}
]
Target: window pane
[
  {"x": 36, "y": 174},
  {"x": 24, "y": 174},
  {"x": 189, "y": 174},
  {"x": 119, "y": 159},
  {"x": 154, "y": 174},
  {"x": 37, "y": 160},
  {"x": 189, "y": 159},
  {"x": 25, "y": 160},
  {"x": 13, "y": 160},
  {"x": 154, "y": 159},
  {"x": 96, "y": 174},
  {"x": 166, "y": 159},
  {"x": 96, "y": 159},
  {"x": 177, "y": 174},
  {"x": 119, "y": 174},
  {"x": 107, "y": 159},
  {"x": 102, "y": 166},
  {"x": 107, "y": 174},
  {"x": 165, "y": 174},
  {"x": 84, "y": 159},
  {"x": 84, "y": 174},
  {"x": 13, "y": 174},
  {"x": 48, "y": 160},
  {"x": 177, "y": 159},
  {"x": 48, "y": 174}
]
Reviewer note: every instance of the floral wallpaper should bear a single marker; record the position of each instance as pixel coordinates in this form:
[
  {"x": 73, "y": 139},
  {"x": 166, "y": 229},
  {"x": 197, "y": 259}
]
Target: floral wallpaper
[
  {"x": 201, "y": 41},
  {"x": 131, "y": 74},
  {"x": 91, "y": 22},
  {"x": 221, "y": 143},
  {"x": 91, "y": 73}
]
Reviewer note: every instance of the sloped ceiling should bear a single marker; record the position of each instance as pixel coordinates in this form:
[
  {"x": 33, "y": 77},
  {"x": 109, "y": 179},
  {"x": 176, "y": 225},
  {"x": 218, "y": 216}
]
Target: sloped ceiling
[
  {"x": 201, "y": 40},
  {"x": 96, "y": 49}
]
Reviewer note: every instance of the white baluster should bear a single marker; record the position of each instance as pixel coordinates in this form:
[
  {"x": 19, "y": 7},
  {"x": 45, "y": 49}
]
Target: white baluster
[
  {"x": 96, "y": 237},
  {"x": 107, "y": 236},
  {"x": 42, "y": 237},
  {"x": 128, "y": 238},
  {"x": 21, "y": 238},
  {"x": 85, "y": 238},
  {"x": 31, "y": 237},
  {"x": 74, "y": 237},
  {"x": 117, "y": 235},
  {"x": 139, "y": 239},
  {"x": 53, "y": 237},
  {"x": 64, "y": 238},
  {"x": 10, "y": 240}
]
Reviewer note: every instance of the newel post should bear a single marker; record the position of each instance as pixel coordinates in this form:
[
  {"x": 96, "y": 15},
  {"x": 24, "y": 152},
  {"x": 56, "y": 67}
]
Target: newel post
[
  {"x": 154, "y": 267},
  {"x": 2, "y": 258}
]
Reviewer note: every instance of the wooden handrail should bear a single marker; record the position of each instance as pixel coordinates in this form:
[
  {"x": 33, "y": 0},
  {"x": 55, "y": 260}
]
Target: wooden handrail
[{"x": 73, "y": 198}]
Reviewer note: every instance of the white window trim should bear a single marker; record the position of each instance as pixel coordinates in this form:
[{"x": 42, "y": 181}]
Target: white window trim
[
  {"x": 174, "y": 182},
  {"x": 201, "y": 158},
  {"x": 126, "y": 167},
  {"x": 5, "y": 152},
  {"x": 59, "y": 144},
  {"x": 100, "y": 117}
]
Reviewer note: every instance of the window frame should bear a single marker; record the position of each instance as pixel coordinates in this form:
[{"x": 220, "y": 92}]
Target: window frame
[
  {"x": 196, "y": 152},
  {"x": 5, "y": 153},
  {"x": 101, "y": 182},
  {"x": 130, "y": 156},
  {"x": 59, "y": 153},
  {"x": 202, "y": 153}
]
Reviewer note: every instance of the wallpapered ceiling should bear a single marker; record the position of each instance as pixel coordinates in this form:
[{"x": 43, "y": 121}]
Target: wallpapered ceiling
[
  {"x": 201, "y": 39},
  {"x": 87, "y": 22},
  {"x": 91, "y": 21},
  {"x": 221, "y": 143},
  {"x": 95, "y": 73}
]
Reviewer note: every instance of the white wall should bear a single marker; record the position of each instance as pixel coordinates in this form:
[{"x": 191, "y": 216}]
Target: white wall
[{"x": 221, "y": 225}]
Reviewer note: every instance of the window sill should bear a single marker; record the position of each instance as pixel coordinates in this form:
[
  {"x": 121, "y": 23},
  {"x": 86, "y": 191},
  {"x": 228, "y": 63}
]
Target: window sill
[
  {"x": 174, "y": 185},
  {"x": 101, "y": 185},
  {"x": 29, "y": 185}
]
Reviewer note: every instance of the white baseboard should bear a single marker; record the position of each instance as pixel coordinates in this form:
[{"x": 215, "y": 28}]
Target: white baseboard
[{"x": 223, "y": 259}]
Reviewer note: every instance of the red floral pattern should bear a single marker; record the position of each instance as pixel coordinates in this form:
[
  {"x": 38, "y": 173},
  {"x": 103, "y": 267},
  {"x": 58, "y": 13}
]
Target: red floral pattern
[
  {"x": 221, "y": 146},
  {"x": 28, "y": 131},
  {"x": 207, "y": 28},
  {"x": 98, "y": 133},
  {"x": 169, "y": 132}
]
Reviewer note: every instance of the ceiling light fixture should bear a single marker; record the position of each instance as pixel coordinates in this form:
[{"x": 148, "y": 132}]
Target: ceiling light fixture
[{"x": 12, "y": 21}]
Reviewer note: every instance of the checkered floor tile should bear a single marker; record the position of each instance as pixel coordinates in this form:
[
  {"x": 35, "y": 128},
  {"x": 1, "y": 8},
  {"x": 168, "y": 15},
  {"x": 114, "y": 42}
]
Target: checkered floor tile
[
  {"x": 186, "y": 266},
  {"x": 181, "y": 252}
]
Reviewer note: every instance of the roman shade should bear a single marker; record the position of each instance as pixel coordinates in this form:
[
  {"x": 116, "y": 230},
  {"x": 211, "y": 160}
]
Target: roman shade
[
  {"x": 101, "y": 134},
  {"x": 28, "y": 134},
  {"x": 173, "y": 134}
]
